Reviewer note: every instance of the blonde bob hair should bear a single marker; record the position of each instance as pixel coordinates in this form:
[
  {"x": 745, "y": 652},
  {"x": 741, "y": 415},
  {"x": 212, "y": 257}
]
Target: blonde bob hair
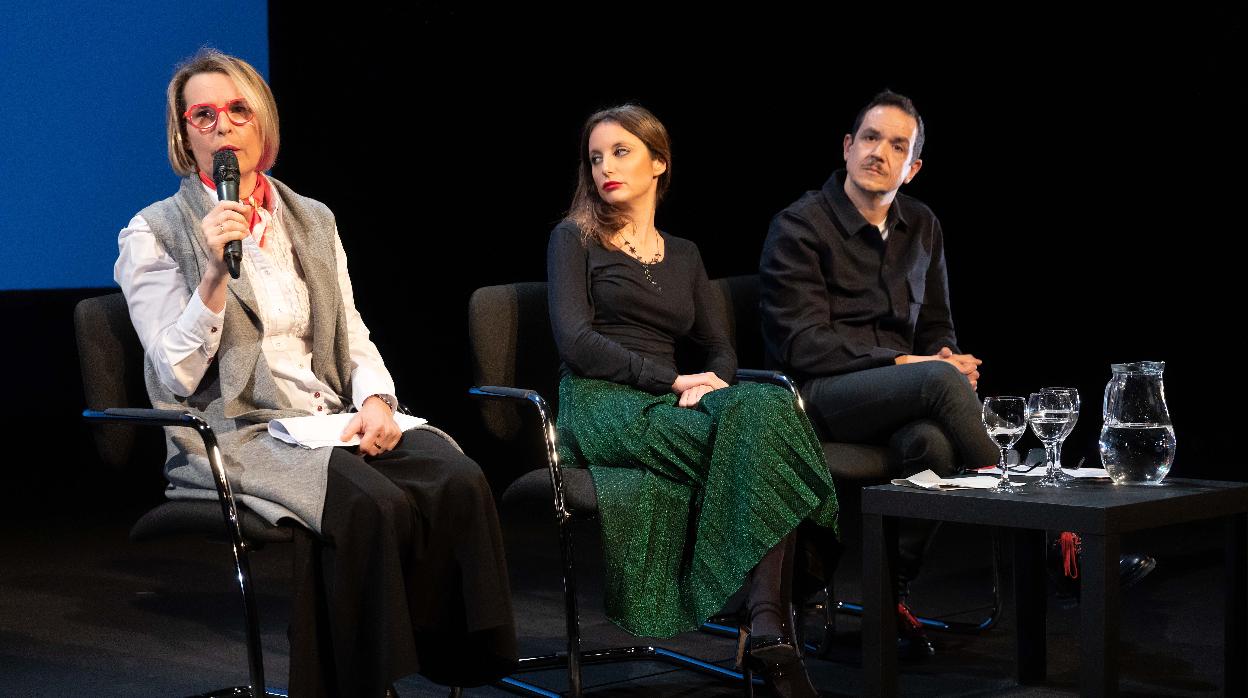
[{"x": 249, "y": 83}]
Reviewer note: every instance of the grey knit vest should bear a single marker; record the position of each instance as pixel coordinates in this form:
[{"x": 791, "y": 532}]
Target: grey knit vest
[{"x": 237, "y": 396}]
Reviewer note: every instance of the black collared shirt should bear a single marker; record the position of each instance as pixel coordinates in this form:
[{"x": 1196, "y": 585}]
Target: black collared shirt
[{"x": 837, "y": 297}]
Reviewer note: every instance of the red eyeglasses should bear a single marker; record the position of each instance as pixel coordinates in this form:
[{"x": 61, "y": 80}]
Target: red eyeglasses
[{"x": 204, "y": 116}]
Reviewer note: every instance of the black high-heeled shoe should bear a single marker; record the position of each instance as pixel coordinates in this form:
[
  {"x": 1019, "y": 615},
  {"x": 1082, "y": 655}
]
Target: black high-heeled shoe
[{"x": 777, "y": 662}]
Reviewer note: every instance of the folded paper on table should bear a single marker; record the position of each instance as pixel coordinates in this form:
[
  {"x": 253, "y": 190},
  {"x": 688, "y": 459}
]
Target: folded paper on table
[
  {"x": 322, "y": 431},
  {"x": 929, "y": 480}
]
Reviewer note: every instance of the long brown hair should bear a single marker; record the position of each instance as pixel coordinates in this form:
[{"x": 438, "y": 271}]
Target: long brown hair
[{"x": 597, "y": 219}]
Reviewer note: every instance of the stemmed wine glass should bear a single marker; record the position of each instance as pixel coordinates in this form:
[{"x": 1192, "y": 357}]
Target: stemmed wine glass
[
  {"x": 1070, "y": 426},
  {"x": 1049, "y": 412},
  {"x": 1005, "y": 418}
]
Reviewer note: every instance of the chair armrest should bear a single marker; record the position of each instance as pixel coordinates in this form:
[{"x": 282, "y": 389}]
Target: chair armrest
[
  {"x": 173, "y": 418},
  {"x": 548, "y": 434},
  {"x": 522, "y": 394},
  {"x": 755, "y": 375},
  {"x": 141, "y": 417},
  {"x": 504, "y": 391}
]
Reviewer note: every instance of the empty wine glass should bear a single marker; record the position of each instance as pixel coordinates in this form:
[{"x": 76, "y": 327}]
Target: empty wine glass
[
  {"x": 1048, "y": 412},
  {"x": 1005, "y": 419}
]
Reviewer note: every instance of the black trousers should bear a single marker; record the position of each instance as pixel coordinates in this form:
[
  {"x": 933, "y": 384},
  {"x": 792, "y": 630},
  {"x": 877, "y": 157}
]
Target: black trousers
[
  {"x": 407, "y": 576},
  {"x": 925, "y": 413}
]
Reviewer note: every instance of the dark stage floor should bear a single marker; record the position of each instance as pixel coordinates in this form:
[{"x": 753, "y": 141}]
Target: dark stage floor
[{"x": 84, "y": 612}]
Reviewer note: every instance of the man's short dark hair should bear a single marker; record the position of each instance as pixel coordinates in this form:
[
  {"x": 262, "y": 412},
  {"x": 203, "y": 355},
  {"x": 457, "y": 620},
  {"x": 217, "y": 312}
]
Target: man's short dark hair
[{"x": 888, "y": 98}]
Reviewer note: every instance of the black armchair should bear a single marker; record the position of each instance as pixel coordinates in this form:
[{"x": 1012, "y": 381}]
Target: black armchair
[
  {"x": 852, "y": 466},
  {"x": 111, "y": 360},
  {"x": 512, "y": 346}
]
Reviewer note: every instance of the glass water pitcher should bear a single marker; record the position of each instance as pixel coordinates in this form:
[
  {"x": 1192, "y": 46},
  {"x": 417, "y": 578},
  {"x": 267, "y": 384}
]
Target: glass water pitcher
[{"x": 1137, "y": 439}]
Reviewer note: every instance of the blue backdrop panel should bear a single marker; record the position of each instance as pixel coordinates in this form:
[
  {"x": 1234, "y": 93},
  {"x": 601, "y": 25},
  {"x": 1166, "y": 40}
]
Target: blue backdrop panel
[{"x": 82, "y": 143}]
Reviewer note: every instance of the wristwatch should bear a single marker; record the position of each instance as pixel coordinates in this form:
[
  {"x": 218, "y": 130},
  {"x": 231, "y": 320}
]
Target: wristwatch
[{"x": 390, "y": 402}]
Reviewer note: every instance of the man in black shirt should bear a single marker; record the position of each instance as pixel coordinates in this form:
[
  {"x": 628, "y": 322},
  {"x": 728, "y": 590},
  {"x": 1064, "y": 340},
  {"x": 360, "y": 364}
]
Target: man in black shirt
[
  {"x": 855, "y": 307},
  {"x": 855, "y": 299}
]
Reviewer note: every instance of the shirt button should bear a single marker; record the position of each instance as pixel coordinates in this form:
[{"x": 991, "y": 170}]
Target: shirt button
[
  {"x": 316, "y": 394},
  {"x": 319, "y": 408}
]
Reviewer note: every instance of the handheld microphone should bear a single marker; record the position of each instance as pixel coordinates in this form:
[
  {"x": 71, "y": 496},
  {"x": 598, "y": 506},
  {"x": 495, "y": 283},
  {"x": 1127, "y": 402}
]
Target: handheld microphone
[{"x": 225, "y": 175}]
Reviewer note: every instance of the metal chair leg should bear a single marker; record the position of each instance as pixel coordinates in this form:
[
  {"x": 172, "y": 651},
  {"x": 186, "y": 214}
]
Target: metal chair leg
[
  {"x": 824, "y": 650},
  {"x": 831, "y": 608},
  {"x": 229, "y": 512},
  {"x": 574, "y": 658},
  {"x": 572, "y": 618},
  {"x": 242, "y": 565}
]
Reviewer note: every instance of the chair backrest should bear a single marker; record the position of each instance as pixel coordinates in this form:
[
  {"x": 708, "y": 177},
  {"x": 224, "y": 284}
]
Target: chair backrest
[
  {"x": 111, "y": 359},
  {"x": 740, "y": 303},
  {"x": 512, "y": 345},
  {"x": 847, "y": 462}
]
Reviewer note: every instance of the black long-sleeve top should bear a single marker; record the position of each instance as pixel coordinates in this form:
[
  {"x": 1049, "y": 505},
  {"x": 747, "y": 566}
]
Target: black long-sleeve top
[
  {"x": 836, "y": 297},
  {"x": 611, "y": 323}
]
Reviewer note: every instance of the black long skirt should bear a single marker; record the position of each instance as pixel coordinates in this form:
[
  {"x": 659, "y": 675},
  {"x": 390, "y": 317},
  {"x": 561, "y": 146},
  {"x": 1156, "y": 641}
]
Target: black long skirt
[{"x": 407, "y": 576}]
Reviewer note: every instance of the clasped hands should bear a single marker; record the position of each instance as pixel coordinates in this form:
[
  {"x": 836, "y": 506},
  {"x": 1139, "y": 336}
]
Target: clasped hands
[
  {"x": 966, "y": 364},
  {"x": 692, "y": 386}
]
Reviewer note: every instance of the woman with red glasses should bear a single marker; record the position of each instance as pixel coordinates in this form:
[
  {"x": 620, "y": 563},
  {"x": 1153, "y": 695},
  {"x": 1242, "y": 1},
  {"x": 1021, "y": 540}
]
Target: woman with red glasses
[{"x": 403, "y": 569}]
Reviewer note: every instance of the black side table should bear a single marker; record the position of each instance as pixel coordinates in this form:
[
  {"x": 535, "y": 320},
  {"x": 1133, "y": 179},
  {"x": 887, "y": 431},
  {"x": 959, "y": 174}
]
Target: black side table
[{"x": 1100, "y": 512}]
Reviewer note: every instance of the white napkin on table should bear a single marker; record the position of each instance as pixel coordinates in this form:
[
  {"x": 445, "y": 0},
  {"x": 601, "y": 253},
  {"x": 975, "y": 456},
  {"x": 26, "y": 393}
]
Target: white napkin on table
[{"x": 929, "y": 480}]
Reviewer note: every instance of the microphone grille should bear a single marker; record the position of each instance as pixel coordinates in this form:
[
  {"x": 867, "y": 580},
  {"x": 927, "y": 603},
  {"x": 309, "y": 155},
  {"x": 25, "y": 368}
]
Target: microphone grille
[{"x": 224, "y": 166}]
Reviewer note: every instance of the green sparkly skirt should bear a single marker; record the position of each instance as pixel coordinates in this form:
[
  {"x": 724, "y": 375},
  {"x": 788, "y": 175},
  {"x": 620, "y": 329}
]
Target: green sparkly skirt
[{"x": 690, "y": 499}]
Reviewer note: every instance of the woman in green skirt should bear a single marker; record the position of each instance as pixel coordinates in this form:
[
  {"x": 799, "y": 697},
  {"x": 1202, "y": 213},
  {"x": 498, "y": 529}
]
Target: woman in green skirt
[{"x": 700, "y": 484}]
